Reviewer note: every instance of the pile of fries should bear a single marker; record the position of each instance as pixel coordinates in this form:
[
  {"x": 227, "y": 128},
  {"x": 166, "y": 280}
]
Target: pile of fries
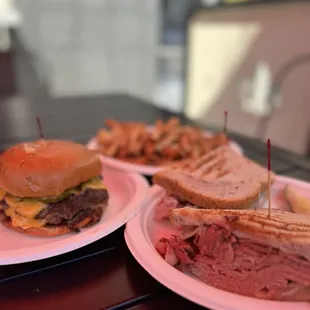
[{"x": 163, "y": 144}]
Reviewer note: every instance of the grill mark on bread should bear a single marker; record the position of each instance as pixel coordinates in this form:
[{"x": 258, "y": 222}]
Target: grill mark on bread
[
  {"x": 222, "y": 174},
  {"x": 204, "y": 171},
  {"x": 208, "y": 158},
  {"x": 220, "y": 179},
  {"x": 196, "y": 165},
  {"x": 281, "y": 224}
]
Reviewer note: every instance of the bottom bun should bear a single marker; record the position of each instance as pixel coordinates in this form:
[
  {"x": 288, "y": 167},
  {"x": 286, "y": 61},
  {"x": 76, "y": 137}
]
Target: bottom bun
[
  {"x": 39, "y": 232},
  {"x": 48, "y": 231}
]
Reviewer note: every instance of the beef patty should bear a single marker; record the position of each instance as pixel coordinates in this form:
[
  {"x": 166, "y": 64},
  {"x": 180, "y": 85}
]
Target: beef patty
[{"x": 74, "y": 208}]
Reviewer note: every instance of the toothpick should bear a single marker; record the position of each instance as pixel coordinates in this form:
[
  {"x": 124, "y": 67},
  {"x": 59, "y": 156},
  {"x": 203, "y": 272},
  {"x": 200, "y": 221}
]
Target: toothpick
[
  {"x": 40, "y": 128},
  {"x": 269, "y": 185},
  {"x": 225, "y": 121}
]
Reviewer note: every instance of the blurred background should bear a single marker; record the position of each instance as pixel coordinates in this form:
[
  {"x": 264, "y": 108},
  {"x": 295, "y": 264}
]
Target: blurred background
[{"x": 251, "y": 58}]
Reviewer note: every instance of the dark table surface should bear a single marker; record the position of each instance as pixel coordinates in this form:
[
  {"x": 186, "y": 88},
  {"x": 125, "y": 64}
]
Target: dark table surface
[{"x": 103, "y": 275}]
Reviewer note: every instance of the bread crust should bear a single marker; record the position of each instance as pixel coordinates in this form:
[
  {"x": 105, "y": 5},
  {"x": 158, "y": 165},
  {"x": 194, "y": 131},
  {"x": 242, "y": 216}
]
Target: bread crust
[
  {"x": 207, "y": 194},
  {"x": 46, "y": 168}
]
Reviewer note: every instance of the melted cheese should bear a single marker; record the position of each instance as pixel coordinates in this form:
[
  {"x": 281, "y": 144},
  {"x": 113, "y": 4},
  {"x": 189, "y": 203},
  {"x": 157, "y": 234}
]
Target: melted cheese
[
  {"x": 94, "y": 184},
  {"x": 25, "y": 223},
  {"x": 25, "y": 207},
  {"x": 22, "y": 212}
]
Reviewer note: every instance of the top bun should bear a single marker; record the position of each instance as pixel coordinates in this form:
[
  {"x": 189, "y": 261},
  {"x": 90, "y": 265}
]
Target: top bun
[{"x": 46, "y": 168}]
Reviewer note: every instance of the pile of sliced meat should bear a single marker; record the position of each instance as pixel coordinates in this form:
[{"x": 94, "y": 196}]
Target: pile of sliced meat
[
  {"x": 239, "y": 265},
  {"x": 161, "y": 210}
]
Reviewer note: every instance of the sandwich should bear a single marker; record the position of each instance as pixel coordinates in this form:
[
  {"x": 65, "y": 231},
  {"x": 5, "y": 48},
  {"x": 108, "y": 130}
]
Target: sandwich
[
  {"x": 220, "y": 179},
  {"x": 50, "y": 188},
  {"x": 243, "y": 251}
]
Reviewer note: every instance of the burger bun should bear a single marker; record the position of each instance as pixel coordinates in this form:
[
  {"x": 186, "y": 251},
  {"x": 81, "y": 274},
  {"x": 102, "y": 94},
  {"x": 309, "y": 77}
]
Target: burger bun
[{"x": 46, "y": 168}]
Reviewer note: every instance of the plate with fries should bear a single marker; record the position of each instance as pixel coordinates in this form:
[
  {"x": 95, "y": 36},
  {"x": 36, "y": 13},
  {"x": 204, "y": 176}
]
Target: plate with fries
[{"x": 145, "y": 149}]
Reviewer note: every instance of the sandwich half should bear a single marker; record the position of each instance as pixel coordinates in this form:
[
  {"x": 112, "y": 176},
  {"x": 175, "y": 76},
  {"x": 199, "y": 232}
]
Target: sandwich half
[
  {"x": 243, "y": 251},
  {"x": 220, "y": 179}
]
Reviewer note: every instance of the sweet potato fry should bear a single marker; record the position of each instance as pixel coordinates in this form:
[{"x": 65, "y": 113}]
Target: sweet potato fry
[
  {"x": 168, "y": 142},
  {"x": 136, "y": 140},
  {"x": 112, "y": 124},
  {"x": 171, "y": 137},
  {"x": 137, "y": 160},
  {"x": 104, "y": 137},
  {"x": 172, "y": 123},
  {"x": 158, "y": 130},
  {"x": 171, "y": 152},
  {"x": 185, "y": 143},
  {"x": 112, "y": 150},
  {"x": 149, "y": 148}
]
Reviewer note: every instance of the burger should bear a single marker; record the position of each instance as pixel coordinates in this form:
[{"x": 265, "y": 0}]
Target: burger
[{"x": 50, "y": 188}]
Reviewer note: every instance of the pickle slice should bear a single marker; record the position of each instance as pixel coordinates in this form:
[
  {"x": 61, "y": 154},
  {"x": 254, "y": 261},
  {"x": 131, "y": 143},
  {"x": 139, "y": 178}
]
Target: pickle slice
[{"x": 298, "y": 202}]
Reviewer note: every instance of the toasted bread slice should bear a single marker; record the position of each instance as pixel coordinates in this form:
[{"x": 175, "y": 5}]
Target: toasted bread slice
[
  {"x": 209, "y": 194},
  {"x": 220, "y": 179},
  {"x": 281, "y": 227}
]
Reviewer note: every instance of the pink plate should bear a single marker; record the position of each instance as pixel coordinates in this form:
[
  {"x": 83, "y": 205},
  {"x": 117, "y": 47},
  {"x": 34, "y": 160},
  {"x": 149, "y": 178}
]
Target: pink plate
[
  {"x": 142, "y": 232},
  {"x": 126, "y": 192},
  {"x": 143, "y": 169}
]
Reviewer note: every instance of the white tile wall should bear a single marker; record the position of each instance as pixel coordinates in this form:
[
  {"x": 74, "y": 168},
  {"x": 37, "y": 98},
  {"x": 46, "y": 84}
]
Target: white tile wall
[{"x": 94, "y": 46}]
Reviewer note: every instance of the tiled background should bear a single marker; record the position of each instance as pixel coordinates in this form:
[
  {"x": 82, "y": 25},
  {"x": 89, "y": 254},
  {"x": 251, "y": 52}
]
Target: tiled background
[{"x": 96, "y": 46}]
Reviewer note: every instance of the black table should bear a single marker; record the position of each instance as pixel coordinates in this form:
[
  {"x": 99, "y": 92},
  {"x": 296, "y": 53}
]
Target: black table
[{"x": 102, "y": 275}]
